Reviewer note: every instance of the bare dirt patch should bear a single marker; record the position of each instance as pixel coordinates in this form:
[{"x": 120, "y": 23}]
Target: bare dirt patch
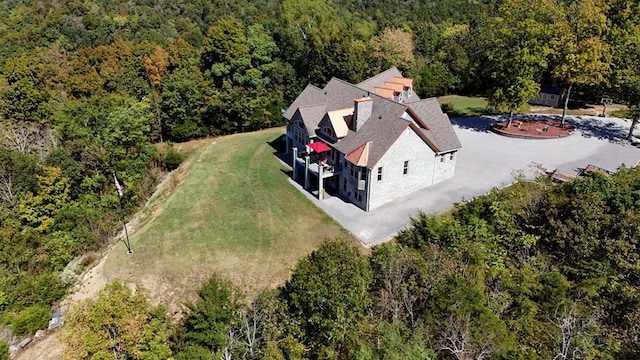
[
  {"x": 47, "y": 348},
  {"x": 588, "y": 110}
]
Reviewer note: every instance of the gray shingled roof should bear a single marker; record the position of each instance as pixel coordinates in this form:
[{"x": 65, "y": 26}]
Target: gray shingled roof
[
  {"x": 385, "y": 124},
  {"x": 382, "y": 129},
  {"x": 312, "y": 115},
  {"x": 387, "y": 75},
  {"x": 311, "y": 95},
  {"x": 440, "y": 131},
  {"x": 340, "y": 94}
]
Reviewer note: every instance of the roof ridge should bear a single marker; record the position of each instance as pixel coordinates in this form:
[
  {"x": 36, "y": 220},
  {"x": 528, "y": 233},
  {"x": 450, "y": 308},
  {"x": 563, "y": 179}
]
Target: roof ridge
[
  {"x": 380, "y": 74},
  {"x": 369, "y": 93},
  {"x": 311, "y": 105}
]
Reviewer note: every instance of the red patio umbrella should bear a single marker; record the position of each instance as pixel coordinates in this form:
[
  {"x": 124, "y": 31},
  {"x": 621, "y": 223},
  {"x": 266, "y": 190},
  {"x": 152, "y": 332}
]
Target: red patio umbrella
[{"x": 319, "y": 147}]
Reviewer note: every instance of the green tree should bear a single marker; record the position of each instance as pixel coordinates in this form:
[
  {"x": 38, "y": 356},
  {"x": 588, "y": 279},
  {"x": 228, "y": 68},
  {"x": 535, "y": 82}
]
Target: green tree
[
  {"x": 206, "y": 326},
  {"x": 22, "y": 90},
  {"x": 182, "y": 104},
  {"x": 127, "y": 128},
  {"x": 397, "y": 342},
  {"x": 327, "y": 293},
  {"x": 519, "y": 54},
  {"x": 239, "y": 61},
  {"x": 38, "y": 211},
  {"x": 320, "y": 40},
  {"x": 119, "y": 324},
  {"x": 582, "y": 55},
  {"x": 625, "y": 75},
  {"x": 467, "y": 328}
]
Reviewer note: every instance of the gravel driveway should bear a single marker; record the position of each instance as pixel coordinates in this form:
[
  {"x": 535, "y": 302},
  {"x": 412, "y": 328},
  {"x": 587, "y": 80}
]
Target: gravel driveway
[{"x": 488, "y": 160}]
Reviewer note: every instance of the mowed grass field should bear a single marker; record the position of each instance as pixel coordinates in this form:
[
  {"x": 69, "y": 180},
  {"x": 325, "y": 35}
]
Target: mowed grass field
[
  {"x": 235, "y": 214},
  {"x": 465, "y": 105}
]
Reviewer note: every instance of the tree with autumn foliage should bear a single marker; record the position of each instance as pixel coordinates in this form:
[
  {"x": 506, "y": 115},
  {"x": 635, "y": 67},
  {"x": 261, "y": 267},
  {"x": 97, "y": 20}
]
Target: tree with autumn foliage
[
  {"x": 119, "y": 324},
  {"x": 394, "y": 47},
  {"x": 156, "y": 66},
  {"x": 582, "y": 54}
]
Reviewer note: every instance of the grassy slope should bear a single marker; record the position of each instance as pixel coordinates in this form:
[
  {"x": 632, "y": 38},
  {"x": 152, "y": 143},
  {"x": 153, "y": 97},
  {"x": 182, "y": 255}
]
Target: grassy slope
[{"x": 235, "y": 214}]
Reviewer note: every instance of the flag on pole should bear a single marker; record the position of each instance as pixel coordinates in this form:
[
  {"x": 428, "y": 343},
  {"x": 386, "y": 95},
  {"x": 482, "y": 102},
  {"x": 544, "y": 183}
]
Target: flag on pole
[{"x": 118, "y": 186}]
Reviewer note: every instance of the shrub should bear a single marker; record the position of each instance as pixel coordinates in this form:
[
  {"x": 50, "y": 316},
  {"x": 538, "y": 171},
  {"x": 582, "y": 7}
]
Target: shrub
[
  {"x": 30, "y": 320},
  {"x": 172, "y": 159},
  {"x": 47, "y": 288},
  {"x": 4, "y": 350},
  {"x": 446, "y": 107}
]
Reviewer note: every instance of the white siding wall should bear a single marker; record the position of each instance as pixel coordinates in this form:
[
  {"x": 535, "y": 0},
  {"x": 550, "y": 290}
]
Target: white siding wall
[
  {"x": 409, "y": 146},
  {"x": 445, "y": 169}
]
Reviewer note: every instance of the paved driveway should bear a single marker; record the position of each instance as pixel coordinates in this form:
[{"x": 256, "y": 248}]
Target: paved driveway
[{"x": 488, "y": 160}]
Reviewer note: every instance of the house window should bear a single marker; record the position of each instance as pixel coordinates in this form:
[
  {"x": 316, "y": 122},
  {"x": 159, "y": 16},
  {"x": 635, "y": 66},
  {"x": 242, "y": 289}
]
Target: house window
[
  {"x": 380, "y": 173},
  {"x": 363, "y": 174},
  {"x": 359, "y": 196},
  {"x": 553, "y": 97},
  {"x": 451, "y": 156},
  {"x": 442, "y": 158},
  {"x": 353, "y": 170},
  {"x": 344, "y": 184},
  {"x": 329, "y": 131},
  {"x": 405, "y": 169}
]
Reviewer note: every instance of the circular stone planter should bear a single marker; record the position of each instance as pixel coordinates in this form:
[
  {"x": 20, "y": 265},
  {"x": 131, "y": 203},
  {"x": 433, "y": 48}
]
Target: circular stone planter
[{"x": 533, "y": 128}]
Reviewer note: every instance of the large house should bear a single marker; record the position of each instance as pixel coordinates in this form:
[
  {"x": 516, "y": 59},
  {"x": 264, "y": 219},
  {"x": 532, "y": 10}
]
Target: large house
[{"x": 369, "y": 143}]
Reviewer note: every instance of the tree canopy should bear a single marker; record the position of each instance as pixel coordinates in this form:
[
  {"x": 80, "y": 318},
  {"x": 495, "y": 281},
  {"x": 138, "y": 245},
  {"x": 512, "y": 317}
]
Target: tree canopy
[{"x": 87, "y": 89}]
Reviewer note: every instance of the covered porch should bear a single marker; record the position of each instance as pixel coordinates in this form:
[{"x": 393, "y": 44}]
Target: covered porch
[{"x": 317, "y": 164}]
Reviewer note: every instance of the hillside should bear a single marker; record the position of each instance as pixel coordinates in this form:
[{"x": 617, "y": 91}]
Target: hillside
[{"x": 233, "y": 214}]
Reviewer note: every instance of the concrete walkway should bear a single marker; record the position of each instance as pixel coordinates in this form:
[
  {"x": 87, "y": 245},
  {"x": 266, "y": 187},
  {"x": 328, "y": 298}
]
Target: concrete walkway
[{"x": 488, "y": 160}]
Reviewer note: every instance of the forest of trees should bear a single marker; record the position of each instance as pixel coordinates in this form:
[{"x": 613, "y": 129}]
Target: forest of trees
[
  {"x": 96, "y": 88},
  {"x": 534, "y": 271}
]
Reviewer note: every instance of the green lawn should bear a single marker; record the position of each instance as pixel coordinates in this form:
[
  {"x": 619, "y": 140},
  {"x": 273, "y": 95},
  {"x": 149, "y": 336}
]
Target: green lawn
[
  {"x": 234, "y": 214},
  {"x": 465, "y": 105}
]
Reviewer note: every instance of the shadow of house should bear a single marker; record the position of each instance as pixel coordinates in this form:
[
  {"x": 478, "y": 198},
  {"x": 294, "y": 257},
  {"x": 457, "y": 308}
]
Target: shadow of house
[
  {"x": 278, "y": 144},
  {"x": 475, "y": 123}
]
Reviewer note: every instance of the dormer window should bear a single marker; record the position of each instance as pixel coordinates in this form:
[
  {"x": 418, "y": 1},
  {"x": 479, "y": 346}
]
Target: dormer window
[
  {"x": 329, "y": 131},
  {"x": 410, "y": 91}
]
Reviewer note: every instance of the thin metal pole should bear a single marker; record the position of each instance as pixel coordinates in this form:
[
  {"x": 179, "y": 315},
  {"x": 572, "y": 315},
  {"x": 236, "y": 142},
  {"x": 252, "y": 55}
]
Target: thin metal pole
[{"x": 126, "y": 233}]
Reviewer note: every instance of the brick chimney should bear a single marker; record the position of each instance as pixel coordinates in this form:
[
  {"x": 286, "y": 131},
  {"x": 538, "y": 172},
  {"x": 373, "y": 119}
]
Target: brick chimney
[{"x": 362, "y": 109}]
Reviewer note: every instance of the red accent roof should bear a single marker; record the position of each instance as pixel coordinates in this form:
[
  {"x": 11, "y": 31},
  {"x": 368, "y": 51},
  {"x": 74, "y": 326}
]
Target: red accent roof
[
  {"x": 384, "y": 92},
  {"x": 319, "y": 147},
  {"x": 396, "y": 86},
  {"x": 407, "y": 82},
  {"x": 359, "y": 156}
]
